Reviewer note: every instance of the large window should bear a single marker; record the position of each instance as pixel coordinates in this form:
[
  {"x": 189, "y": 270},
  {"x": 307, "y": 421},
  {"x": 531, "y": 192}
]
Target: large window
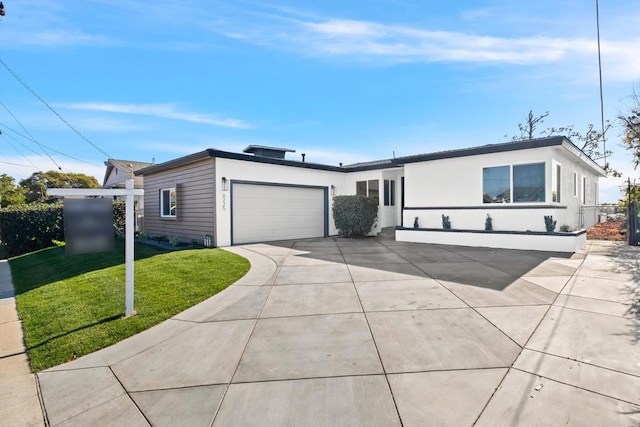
[
  {"x": 528, "y": 183},
  {"x": 369, "y": 188},
  {"x": 168, "y": 203},
  {"x": 496, "y": 185},
  {"x": 389, "y": 192},
  {"x": 517, "y": 184}
]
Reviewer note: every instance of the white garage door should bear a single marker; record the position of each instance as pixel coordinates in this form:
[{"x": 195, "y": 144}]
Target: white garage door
[{"x": 264, "y": 213}]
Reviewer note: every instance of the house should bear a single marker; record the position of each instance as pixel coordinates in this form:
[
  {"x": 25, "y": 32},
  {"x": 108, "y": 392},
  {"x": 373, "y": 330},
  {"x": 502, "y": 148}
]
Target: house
[
  {"x": 117, "y": 172},
  {"x": 260, "y": 195}
]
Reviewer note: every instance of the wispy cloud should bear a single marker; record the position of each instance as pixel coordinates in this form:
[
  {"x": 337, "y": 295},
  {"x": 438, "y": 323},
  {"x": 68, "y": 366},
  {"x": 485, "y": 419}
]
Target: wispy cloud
[
  {"x": 164, "y": 111},
  {"x": 49, "y": 38},
  {"x": 369, "y": 41}
]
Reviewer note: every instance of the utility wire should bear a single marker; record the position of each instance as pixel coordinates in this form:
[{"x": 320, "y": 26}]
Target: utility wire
[
  {"x": 46, "y": 146},
  {"x": 14, "y": 164},
  {"x": 32, "y": 137},
  {"x": 26, "y": 86},
  {"x": 25, "y": 157},
  {"x": 604, "y": 139}
]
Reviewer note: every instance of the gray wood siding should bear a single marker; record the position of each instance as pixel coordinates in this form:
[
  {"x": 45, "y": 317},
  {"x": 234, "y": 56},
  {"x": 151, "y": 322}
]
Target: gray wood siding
[{"x": 195, "y": 212}]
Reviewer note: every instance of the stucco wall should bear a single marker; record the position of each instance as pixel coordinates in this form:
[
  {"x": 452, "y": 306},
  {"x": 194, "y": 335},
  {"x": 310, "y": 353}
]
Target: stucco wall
[
  {"x": 454, "y": 187},
  {"x": 268, "y": 173},
  {"x": 388, "y": 216}
]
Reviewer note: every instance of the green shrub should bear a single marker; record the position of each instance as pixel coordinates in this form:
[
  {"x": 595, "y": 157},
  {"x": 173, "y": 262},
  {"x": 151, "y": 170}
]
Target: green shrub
[
  {"x": 28, "y": 228},
  {"x": 354, "y": 215}
]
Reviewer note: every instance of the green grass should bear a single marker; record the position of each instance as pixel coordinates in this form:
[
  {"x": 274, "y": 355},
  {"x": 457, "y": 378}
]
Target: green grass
[{"x": 72, "y": 306}]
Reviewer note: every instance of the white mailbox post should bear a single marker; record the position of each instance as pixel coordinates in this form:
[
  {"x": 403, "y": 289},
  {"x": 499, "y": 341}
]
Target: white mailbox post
[{"x": 128, "y": 192}]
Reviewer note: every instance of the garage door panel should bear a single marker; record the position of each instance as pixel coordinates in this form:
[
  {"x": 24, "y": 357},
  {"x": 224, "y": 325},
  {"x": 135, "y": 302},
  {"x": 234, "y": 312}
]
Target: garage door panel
[{"x": 270, "y": 212}]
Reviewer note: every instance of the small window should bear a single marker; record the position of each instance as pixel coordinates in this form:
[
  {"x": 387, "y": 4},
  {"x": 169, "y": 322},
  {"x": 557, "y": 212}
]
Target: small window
[
  {"x": 575, "y": 184},
  {"x": 374, "y": 188},
  {"x": 584, "y": 190},
  {"x": 557, "y": 184},
  {"x": 361, "y": 188},
  {"x": 528, "y": 183},
  {"x": 496, "y": 185},
  {"x": 389, "y": 192},
  {"x": 369, "y": 188},
  {"x": 168, "y": 203}
]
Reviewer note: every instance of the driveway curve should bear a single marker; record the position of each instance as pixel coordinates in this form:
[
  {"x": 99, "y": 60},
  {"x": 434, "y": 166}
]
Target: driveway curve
[{"x": 339, "y": 332}]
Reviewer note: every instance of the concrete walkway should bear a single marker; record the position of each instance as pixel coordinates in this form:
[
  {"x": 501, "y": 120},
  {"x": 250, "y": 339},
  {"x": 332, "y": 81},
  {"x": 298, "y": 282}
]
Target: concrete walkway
[
  {"x": 19, "y": 403},
  {"x": 337, "y": 332}
]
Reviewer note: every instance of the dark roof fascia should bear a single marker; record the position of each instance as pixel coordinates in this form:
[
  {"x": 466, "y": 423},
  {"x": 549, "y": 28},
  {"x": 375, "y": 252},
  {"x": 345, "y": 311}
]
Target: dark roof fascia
[
  {"x": 181, "y": 161},
  {"x": 577, "y": 152},
  {"x": 382, "y": 164},
  {"x": 486, "y": 149},
  {"x": 272, "y": 161},
  {"x": 212, "y": 153}
]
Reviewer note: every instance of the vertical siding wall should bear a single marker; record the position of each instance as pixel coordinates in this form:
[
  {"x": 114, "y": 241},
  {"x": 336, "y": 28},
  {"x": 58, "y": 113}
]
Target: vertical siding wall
[{"x": 195, "y": 187}]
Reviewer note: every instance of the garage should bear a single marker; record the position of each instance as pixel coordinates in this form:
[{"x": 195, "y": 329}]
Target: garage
[{"x": 263, "y": 212}]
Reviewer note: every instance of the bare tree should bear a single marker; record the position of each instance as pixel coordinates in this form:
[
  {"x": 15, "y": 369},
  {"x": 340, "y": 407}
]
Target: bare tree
[
  {"x": 588, "y": 142},
  {"x": 631, "y": 125}
]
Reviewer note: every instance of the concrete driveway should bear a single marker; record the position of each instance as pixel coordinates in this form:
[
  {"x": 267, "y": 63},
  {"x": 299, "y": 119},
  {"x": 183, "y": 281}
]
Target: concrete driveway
[{"x": 339, "y": 332}]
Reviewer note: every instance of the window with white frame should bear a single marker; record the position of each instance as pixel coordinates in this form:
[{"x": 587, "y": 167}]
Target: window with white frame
[
  {"x": 370, "y": 188},
  {"x": 496, "y": 184},
  {"x": 514, "y": 184},
  {"x": 556, "y": 183},
  {"x": 583, "y": 198},
  {"x": 389, "y": 192},
  {"x": 575, "y": 184},
  {"x": 168, "y": 202}
]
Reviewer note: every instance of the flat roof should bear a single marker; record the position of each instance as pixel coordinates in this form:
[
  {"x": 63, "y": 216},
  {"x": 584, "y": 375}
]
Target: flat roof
[{"x": 381, "y": 164}]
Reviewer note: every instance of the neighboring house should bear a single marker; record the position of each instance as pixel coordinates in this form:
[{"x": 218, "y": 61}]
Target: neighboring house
[
  {"x": 118, "y": 171},
  {"x": 242, "y": 198}
]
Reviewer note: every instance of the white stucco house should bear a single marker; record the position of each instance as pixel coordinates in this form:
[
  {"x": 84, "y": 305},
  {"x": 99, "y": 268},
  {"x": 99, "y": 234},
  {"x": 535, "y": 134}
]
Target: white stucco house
[{"x": 261, "y": 196}]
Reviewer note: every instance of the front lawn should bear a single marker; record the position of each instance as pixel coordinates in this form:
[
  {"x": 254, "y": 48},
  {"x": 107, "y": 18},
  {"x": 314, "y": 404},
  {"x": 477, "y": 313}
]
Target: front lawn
[{"x": 72, "y": 306}]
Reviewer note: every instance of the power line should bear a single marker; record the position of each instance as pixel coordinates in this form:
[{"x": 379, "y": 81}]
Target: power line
[
  {"x": 46, "y": 146},
  {"x": 14, "y": 164},
  {"x": 20, "y": 152},
  {"x": 28, "y": 133},
  {"x": 604, "y": 139},
  {"x": 77, "y": 132}
]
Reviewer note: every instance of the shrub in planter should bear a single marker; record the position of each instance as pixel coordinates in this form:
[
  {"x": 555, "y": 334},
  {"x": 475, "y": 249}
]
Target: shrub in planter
[
  {"x": 488, "y": 223},
  {"x": 549, "y": 223},
  {"x": 354, "y": 215},
  {"x": 446, "y": 223}
]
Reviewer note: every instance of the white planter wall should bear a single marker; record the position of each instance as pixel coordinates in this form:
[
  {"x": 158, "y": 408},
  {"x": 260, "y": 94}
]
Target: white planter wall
[{"x": 552, "y": 243}]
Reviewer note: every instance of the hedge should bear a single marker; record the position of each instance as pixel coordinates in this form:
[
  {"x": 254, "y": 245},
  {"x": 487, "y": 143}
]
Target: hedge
[
  {"x": 354, "y": 215},
  {"x": 28, "y": 228}
]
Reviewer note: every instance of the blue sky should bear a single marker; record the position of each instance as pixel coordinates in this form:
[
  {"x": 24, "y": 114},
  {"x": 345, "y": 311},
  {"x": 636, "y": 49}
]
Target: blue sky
[{"x": 340, "y": 81}]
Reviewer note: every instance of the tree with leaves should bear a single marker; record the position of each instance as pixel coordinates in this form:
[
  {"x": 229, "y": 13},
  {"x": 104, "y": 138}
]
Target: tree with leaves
[
  {"x": 631, "y": 128},
  {"x": 10, "y": 193},
  {"x": 36, "y": 185}
]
